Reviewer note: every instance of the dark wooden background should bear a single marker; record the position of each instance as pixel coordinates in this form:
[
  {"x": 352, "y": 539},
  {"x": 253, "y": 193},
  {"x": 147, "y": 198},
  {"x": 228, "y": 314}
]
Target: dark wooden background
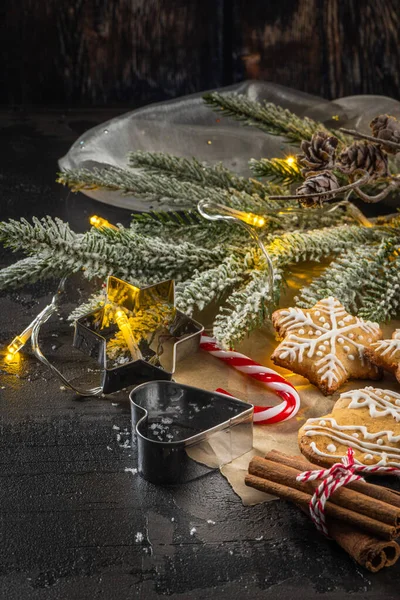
[{"x": 106, "y": 52}]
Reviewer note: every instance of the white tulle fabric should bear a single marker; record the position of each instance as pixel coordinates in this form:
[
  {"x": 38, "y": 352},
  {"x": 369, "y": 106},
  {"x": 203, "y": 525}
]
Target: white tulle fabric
[{"x": 187, "y": 127}]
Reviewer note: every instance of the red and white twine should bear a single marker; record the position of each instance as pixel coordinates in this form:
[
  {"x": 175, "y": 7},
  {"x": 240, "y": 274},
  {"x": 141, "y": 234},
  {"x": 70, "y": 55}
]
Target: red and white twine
[
  {"x": 340, "y": 474},
  {"x": 263, "y": 415}
]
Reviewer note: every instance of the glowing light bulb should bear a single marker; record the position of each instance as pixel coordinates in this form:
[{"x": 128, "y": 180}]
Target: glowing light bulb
[
  {"x": 290, "y": 160},
  {"x": 123, "y": 324},
  {"x": 99, "y": 222},
  {"x": 254, "y": 220},
  {"x": 246, "y": 217},
  {"x": 249, "y": 218},
  {"x": 19, "y": 342}
]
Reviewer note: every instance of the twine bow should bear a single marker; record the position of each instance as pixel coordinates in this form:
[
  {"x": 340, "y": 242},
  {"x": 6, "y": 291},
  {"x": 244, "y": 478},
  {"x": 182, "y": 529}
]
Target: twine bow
[{"x": 338, "y": 475}]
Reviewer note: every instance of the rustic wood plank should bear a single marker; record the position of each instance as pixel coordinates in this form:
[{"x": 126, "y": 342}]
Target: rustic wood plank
[
  {"x": 332, "y": 48},
  {"x": 98, "y": 52},
  {"x": 70, "y": 513}
]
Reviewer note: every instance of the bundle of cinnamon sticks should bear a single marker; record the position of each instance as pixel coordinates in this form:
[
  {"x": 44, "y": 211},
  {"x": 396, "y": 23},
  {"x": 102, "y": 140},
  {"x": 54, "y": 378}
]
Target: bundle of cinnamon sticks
[{"x": 364, "y": 519}]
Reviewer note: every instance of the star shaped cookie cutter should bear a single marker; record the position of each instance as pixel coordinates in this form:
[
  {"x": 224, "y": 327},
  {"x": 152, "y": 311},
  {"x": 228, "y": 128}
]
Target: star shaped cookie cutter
[{"x": 154, "y": 333}]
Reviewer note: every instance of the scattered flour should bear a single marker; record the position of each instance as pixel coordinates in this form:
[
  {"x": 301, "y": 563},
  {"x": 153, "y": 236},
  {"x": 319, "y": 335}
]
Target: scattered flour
[{"x": 129, "y": 470}]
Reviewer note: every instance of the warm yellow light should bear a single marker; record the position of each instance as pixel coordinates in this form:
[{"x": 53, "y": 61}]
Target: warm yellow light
[
  {"x": 9, "y": 357},
  {"x": 254, "y": 220},
  {"x": 246, "y": 217},
  {"x": 99, "y": 222},
  {"x": 123, "y": 324},
  {"x": 290, "y": 160},
  {"x": 18, "y": 342}
]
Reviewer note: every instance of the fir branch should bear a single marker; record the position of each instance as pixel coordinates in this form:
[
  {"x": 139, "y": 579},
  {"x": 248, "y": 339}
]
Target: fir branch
[
  {"x": 163, "y": 190},
  {"x": 94, "y": 302},
  {"x": 29, "y": 270},
  {"x": 381, "y": 300},
  {"x": 192, "y": 170},
  {"x": 193, "y": 226},
  {"x": 276, "y": 169},
  {"x": 346, "y": 278},
  {"x": 248, "y": 307},
  {"x": 210, "y": 285},
  {"x": 123, "y": 253},
  {"x": 152, "y": 254},
  {"x": 266, "y": 116},
  {"x": 45, "y": 233},
  {"x": 252, "y": 305},
  {"x": 316, "y": 244}
]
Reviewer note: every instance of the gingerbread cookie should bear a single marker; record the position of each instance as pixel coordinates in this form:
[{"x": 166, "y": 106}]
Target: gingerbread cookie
[
  {"x": 367, "y": 420},
  {"x": 386, "y": 354},
  {"x": 325, "y": 344}
]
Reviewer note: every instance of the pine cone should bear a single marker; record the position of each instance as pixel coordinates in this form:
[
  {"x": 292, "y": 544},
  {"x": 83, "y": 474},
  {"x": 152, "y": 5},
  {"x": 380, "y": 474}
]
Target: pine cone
[
  {"x": 385, "y": 127},
  {"x": 318, "y": 153},
  {"x": 323, "y": 181},
  {"x": 366, "y": 156}
]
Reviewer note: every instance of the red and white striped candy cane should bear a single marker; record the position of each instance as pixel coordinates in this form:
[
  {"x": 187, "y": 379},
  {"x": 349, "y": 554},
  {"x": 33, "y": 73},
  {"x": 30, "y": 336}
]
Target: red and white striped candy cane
[{"x": 263, "y": 415}]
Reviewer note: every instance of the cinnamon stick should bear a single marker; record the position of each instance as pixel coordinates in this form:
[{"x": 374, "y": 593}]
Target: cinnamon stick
[
  {"x": 282, "y": 490},
  {"x": 358, "y": 503},
  {"x": 368, "y": 551},
  {"x": 369, "y": 489}
]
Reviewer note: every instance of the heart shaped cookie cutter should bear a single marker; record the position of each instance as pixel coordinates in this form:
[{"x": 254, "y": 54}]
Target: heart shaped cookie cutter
[{"x": 183, "y": 432}]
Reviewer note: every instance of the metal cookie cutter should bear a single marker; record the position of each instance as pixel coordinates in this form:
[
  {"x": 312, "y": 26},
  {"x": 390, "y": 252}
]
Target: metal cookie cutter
[
  {"x": 183, "y": 432},
  {"x": 159, "y": 335}
]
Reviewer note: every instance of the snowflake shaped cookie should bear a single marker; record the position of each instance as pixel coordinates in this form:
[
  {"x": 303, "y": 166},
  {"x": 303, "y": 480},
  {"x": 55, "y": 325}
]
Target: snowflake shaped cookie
[
  {"x": 386, "y": 354},
  {"x": 325, "y": 344}
]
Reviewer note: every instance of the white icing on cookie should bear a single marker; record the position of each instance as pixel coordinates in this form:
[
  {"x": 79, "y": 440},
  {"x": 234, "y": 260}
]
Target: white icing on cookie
[
  {"x": 380, "y": 403},
  {"x": 331, "y": 448},
  {"x": 387, "y": 348},
  {"x": 382, "y": 462},
  {"x": 338, "y": 327},
  {"x": 372, "y": 399}
]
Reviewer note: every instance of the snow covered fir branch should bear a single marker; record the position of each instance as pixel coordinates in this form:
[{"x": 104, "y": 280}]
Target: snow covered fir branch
[{"x": 216, "y": 264}]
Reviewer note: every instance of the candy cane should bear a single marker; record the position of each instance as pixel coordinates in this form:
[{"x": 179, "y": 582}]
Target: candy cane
[{"x": 263, "y": 415}]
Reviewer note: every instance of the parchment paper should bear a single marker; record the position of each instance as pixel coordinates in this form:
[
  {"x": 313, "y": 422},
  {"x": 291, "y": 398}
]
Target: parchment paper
[{"x": 202, "y": 370}]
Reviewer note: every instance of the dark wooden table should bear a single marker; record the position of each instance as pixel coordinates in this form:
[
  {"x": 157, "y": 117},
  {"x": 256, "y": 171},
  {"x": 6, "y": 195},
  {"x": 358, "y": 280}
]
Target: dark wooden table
[{"x": 74, "y": 523}]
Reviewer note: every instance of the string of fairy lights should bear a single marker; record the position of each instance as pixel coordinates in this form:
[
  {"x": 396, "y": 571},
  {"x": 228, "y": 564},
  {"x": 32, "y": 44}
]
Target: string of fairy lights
[
  {"x": 21, "y": 340},
  {"x": 220, "y": 211}
]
